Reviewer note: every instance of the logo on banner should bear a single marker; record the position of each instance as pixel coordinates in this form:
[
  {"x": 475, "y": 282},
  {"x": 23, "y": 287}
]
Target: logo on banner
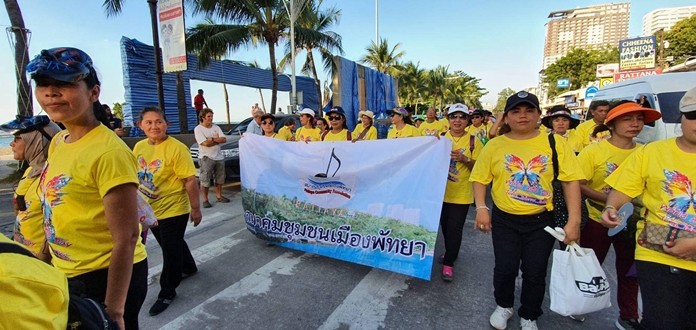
[
  {"x": 596, "y": 287},
  {"x": 327, "y": 189}
]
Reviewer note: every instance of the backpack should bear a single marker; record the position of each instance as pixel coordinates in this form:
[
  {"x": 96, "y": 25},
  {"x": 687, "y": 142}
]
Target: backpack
[{"x": 83, "y": 313}]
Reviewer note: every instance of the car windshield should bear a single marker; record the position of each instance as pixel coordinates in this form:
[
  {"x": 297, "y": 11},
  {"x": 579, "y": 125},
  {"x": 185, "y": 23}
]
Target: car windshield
[
  {"x": 669, "y": 106},
  {"x": 240, "y": 128}
]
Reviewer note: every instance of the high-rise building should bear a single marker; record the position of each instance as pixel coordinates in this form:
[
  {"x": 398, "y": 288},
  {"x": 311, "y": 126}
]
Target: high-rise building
[
  {"x": 665, "y": 18},
  {"x": 589, "y": 27}
]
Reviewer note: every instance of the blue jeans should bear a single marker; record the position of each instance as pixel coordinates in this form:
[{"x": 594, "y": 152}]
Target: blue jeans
[
  {"x": 669, "y": 296},
  {"x": 519, "y": 241}
]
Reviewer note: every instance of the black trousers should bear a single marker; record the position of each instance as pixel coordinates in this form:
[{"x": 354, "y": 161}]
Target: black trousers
[
  {"x": 176, "y": 256},
  {"x": 669, "y": 296},
  {"x": 520, "y": 242},
  {"x": 93, "y": 285},
  {"x": 452, "y": 220}
]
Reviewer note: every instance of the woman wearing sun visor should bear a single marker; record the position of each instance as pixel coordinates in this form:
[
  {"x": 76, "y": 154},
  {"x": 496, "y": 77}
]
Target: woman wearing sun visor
[
  {"x": 88, "y": 189},
  {"x": 32, "y": 136}
]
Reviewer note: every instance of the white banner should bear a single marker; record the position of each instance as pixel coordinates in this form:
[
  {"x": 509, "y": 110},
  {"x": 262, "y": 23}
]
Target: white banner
[
  {"x": 376, "y": 203},
  {"x": 172, "y": 35}
]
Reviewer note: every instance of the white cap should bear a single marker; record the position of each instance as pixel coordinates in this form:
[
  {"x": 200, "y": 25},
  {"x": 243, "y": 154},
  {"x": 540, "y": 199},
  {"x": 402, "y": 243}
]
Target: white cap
[
  {"x": 306, "y": 111},
  {"x": 458, "y": 107},
  {"x": 688, "y": 102}
]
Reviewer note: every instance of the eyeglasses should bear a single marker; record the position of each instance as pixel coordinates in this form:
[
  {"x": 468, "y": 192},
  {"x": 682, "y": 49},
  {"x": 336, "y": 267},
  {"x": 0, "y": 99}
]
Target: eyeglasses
[
  {"x": 266, "y": 122},
  {"x": 690, "y": 115},
  {"x": 456, "y": 116},
  {"x": 17, "y": 138},
  {"x": 335, "y": 117}
]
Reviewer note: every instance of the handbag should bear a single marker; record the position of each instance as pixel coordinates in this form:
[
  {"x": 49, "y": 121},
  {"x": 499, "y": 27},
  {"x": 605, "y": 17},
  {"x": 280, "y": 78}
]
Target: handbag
[
  {"x": 578, "y": 282},
  {"x": 560, "y": 208},
  {"x": 654, "y": 236}
]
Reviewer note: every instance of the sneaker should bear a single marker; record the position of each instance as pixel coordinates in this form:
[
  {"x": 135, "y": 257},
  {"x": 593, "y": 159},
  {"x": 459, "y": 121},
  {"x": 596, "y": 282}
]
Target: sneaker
[
  {"x": 627, "y": 324},
  {"x": 500, "y": 317},
  {"x": 160, "y": 306},
  {"x": 528, "y": 324},
  {"x": 206, "y": 205},
  {"x": 577, "y": 318},
  {"x": 223, "y": 199},
  {"x": 447, "y": 273}
]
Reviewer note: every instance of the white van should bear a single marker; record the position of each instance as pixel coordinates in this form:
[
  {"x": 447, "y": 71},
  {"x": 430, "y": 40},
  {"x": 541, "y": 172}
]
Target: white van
[{"x": 662, "y": 92}]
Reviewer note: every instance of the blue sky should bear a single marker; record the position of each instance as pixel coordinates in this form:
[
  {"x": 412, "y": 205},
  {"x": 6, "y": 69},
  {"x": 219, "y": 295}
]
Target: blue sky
[{"x": 500, "y": 42}]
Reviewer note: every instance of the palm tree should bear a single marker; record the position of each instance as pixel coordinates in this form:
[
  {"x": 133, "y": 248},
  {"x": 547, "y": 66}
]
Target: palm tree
[
  {"x": 436, "y": 83},
  {"x": 464, "y": 88},
  {"x": 411, "y": 82},
  {"x": 312, "y": 32},
  {"x": 255, "y": 64},
  {"x": 382, "y": 58},
  {"x": 21, "y": 55},
  {"x": 251, "y": 22}
]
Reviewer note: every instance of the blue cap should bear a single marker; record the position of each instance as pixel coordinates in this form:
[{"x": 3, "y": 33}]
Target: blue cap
[
  {"x": 63, "y": 64},
  {"x": 336, "y": 109}
]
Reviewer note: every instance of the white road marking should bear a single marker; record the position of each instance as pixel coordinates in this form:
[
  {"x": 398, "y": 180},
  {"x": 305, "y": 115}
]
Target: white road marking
[
  {"x": 256, "y": 283},
  {"x": 202, "y": 254},
  {"x": 366, "y": 306}
]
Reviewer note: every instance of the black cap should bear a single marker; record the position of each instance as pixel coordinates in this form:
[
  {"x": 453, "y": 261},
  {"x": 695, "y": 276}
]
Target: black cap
[{"x": 519, "y": 98}]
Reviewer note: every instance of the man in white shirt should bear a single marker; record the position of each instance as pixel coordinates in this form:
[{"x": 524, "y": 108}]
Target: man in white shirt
[{"x": 211, "y": 161}]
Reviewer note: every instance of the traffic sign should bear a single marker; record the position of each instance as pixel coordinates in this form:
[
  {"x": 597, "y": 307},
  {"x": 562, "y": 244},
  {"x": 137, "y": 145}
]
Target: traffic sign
[{"x": 591, "y": 91}]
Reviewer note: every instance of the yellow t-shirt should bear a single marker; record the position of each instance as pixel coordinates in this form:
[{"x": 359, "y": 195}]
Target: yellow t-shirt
[
  {"x": 307, "y": 134},
  {"x": 28, "y": 229},
  {"x": 73, "y": 184},
  {"x": 459, "y": 189},
  {"x": 161, "y": 169},
  {"x": 522, "y": 172},
  {"x": 597, "y": 162},
  {"x": 406, "y": 131},
  {"x": 342, "y": 135},
  {"x": 445, "y": 123},
  {"x": 481, "y": 132},
  {"x": 34, "y": 295},
  {"x": 431, "y": 129},
  {"x": 370, "y": 135},
  {"x": 284, "y": 133},
  {"x": 663, "y": 175},
  {"x": 584, "y": 131},
  {"x": 573, "y": 140}
]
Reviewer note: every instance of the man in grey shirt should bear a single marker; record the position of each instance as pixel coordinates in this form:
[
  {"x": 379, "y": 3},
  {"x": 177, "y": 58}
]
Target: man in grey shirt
[{"x": 254, "y": 126}]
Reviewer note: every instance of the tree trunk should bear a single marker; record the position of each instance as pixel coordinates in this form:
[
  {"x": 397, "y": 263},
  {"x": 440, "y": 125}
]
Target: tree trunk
[
  {"x": 317, "y": 83},
  {"x": 263, "y": 103},
  {"x": 21, "y": 52},
  {"x": 227, "y": 102},
  {"x": 181, "y": 103},
  {"x": 274, "y": 71}
]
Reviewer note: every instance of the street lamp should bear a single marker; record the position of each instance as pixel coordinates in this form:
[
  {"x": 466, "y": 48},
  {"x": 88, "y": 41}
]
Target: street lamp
[{"x": 291, "y": 6}]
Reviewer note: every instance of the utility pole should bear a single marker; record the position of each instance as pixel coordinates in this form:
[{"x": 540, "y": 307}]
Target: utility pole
[{"x": 158, "y": 53}]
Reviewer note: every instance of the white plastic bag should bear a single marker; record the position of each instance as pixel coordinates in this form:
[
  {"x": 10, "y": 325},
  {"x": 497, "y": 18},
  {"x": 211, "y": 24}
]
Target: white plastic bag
[
  {"x": 578, "y": 283},
  {"x": 146, "y": 215}
]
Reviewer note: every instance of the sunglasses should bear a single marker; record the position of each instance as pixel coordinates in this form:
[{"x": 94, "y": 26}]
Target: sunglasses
[
  {"x": 266, "y": 122},
  {"x": 457, "y": 116},
  {"x": 335, "y": 117}
]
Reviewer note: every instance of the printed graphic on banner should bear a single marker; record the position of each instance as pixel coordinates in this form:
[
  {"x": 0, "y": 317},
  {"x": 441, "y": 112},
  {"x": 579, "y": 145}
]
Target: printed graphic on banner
[
  {"x": 172, "y": 35},
  {"x": 347, "y": 200},
  {"x": 637, "y": 53}
]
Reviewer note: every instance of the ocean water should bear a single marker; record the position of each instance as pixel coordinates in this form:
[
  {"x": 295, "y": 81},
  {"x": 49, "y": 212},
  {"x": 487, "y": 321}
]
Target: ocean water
[{"x": 6, "y": 139}]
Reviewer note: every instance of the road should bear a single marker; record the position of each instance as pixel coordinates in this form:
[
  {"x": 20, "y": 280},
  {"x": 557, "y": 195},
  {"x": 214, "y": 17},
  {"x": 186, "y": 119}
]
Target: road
[{"x": 243, "y": 283}]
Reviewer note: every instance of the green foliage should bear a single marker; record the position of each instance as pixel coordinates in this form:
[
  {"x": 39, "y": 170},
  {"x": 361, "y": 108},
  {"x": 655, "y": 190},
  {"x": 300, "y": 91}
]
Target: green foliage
[
  {"x": 382, "y": 58},
  {"x": 580, "y": 66},
  {"x": 502, "y": 98},
  {"x": 682, "y": 39},
  {"x": 117, "y": 110},
  {"x": 438, "y": 87}
]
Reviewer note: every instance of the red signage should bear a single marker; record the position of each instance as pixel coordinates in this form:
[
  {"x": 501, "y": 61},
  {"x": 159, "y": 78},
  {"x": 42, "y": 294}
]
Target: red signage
[{"x": 628, "y": 75}]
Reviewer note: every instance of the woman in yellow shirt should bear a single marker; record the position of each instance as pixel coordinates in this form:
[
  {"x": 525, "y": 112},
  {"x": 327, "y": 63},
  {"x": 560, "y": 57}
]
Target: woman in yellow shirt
[
  {"x": 32, "y": 135},
  {"x": 168, "y": 181},
  {"x": 625, "y": 120},
  {"x": 562, "y": 123},
  {"x": 662, "y": 174},
  {"x": 338, "y": 131},
  {"x": 519, "y": 163},
  {"x": 402, "y": 126},
  {"x": 307, "y": 133},
  {"x": 88, "y": 189},
  {"x": 367, "y": 130}
]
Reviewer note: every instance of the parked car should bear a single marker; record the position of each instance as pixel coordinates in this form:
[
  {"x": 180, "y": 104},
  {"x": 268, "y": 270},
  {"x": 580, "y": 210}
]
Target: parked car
[{"x": 230, "y": 149}]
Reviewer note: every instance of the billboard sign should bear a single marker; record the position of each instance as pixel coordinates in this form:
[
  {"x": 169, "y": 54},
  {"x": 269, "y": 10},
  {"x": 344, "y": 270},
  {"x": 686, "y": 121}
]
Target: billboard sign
[
  {"x": 172, "y": 35},
  {"x": 628, "y": 75},
  {"x": 606, "y": 81},
  {"x": 637, "y": 53},
  {"x": 607, "y": 70},
  {"x": 563, "y": 83}
]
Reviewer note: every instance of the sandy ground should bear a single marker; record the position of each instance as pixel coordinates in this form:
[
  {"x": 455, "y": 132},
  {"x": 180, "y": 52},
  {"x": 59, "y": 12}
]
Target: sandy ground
[{"x": 5, "y": 160}]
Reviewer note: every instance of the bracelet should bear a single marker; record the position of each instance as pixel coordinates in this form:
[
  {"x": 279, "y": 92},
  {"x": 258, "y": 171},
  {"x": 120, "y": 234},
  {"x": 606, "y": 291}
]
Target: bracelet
[
  {"x": 609, "y": 207},
  {"x": 482, "y": 207}
]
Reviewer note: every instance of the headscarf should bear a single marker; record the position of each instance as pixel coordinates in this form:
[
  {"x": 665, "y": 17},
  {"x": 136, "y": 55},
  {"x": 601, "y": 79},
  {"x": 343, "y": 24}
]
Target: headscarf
[{"x": 36, "y": 147}]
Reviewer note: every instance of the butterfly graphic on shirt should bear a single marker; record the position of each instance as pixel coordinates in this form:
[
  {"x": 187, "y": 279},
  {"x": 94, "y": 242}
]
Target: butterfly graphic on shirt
[
  {"x": 53, "y": 196},
  {"x": 146, "y": 171},
  {"x": 522, "y": 171},
  {"x": 679, "y": 187},
  {"x": 611, "y": 167}
]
